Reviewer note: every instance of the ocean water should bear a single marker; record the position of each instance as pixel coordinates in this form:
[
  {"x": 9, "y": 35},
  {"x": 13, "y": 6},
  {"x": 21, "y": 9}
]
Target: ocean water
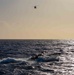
[{"x": 36, "y": 57}]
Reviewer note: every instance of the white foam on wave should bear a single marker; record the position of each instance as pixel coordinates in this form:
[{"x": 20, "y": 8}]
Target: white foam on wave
[{"x": 25, "y": 59}]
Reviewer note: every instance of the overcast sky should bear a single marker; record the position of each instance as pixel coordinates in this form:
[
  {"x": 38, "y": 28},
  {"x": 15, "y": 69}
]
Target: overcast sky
[{"x": 53, "y": 19}]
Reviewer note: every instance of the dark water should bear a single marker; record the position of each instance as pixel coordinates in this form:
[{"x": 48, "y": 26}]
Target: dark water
[{"x": 36, "y": 57}]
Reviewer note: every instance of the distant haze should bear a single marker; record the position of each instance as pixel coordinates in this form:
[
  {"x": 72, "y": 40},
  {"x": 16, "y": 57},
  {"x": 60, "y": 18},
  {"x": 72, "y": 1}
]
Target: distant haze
[{"x": 53, "y": 19}]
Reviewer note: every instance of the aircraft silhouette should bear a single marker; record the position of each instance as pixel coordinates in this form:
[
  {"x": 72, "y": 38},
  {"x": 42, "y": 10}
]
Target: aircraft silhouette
[{"x": 35, "y": 7}]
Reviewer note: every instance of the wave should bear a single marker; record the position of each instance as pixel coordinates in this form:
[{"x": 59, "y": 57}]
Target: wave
[{"x": 7, "y": 60}]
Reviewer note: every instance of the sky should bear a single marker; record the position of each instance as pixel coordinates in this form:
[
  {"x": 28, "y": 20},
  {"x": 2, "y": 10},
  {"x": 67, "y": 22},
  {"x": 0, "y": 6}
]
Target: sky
[{"x": 53, "y": 19}]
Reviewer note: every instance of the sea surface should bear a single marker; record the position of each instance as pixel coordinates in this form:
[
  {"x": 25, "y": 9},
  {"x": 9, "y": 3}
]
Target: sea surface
[{"x": 36, "y": 57}]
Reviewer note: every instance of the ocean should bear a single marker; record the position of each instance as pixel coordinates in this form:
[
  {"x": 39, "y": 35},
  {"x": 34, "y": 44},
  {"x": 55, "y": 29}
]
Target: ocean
[{"x": 36, "y": 57}]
